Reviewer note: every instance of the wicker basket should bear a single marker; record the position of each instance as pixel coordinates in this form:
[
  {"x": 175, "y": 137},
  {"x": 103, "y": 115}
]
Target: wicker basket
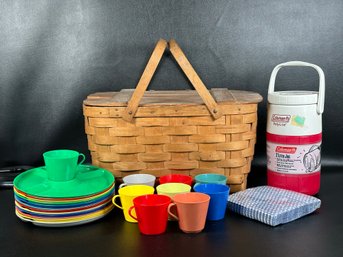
[{"x": 163, "y": 132}]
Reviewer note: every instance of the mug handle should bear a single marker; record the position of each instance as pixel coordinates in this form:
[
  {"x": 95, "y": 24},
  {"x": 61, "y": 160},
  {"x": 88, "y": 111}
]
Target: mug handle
[
  {"x": 122, "y": 185},
  {"x": 83, "y": 158},
  {"x": 114, "y": 202},
  {"x": 170, "y": 213},
  {"x": 130, "y": 212}
]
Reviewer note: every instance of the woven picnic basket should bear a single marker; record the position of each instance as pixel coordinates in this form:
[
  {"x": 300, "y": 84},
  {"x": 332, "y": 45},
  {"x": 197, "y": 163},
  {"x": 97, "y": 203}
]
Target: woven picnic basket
[{"x": 181, "y": 131}]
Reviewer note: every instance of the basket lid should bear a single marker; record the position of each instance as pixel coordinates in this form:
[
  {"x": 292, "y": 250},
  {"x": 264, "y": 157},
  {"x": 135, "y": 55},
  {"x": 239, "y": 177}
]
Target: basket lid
[{"x": 172, "y": 97}]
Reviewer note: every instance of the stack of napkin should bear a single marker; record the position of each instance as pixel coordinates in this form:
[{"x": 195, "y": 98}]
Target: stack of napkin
[{"x": 271, "y": 205}]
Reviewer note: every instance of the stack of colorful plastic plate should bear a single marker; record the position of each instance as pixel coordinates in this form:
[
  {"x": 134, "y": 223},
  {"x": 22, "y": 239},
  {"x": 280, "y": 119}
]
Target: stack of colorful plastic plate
[{"x": 58, "y": 204}]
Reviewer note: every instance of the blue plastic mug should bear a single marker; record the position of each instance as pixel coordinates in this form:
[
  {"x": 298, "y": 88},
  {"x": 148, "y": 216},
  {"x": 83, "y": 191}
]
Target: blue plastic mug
[{"x": 219, "y": 196}]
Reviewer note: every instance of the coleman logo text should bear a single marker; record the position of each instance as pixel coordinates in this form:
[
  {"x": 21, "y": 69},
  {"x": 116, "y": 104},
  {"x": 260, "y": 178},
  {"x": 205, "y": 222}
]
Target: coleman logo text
[
  {"x": 281, "y": 118},
  {"x": 285, "y": 149}
]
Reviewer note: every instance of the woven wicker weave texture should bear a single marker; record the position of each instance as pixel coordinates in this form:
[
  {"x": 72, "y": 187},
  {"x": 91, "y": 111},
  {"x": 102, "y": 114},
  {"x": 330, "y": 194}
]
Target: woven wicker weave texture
[{"x": 173, "y": 139}]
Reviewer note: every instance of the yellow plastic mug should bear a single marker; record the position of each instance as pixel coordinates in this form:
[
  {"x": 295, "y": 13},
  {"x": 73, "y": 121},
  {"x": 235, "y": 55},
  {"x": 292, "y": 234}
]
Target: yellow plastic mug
[
  {"x": 172, "y": 189},
  {"x": 127, "y": 194}
]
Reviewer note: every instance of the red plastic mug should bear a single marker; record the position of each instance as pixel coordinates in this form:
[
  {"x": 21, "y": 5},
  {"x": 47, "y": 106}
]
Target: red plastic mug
[
  {"x": 176, "y": 178},
  {"x": 152, "y": 213}
]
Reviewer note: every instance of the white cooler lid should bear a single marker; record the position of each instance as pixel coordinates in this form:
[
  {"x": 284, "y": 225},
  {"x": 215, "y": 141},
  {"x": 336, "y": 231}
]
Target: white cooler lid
[{"x": 293, "y": 97}]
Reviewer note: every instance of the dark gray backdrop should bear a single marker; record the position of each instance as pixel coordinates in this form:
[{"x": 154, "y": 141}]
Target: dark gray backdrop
[{"x": 55, "y": 53}]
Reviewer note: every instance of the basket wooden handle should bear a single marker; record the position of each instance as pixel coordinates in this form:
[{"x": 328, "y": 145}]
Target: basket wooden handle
[
  {"x": 145, "y": 79},
  {"x": 194, "y": 78},
  {"x": 187, "y": 69}
]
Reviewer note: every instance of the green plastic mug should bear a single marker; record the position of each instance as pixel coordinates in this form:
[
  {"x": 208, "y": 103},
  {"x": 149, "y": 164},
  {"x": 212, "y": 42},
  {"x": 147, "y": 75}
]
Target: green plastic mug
[
  {"x": 61, "y": 165},
  {"x": 210, "y": 178}
]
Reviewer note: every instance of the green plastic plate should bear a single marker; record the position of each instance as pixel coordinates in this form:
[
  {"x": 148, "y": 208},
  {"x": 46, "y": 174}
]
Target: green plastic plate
[{"x": 89, "y": 180}]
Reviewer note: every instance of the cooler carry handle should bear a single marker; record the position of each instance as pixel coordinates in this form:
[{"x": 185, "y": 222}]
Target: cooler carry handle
[
  {"x": 321, "y": 94},
  {"x": 186, "y": 67}
]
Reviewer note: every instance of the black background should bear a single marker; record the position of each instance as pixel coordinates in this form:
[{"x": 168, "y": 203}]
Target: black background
[{"x": 55, "y": 53}]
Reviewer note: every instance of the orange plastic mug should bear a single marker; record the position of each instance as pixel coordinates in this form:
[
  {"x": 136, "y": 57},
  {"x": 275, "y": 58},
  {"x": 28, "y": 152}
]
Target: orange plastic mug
[{"x": 191, "y": 211}]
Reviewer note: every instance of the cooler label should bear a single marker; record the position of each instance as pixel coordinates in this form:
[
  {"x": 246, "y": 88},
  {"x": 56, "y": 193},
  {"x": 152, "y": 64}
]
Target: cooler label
[
  {"x": 281, "y": 120},
  {"x": 293, "y": 159}
]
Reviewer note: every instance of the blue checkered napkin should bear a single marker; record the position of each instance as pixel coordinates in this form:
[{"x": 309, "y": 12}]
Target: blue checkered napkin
[{"x": 271, "y": 205}]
